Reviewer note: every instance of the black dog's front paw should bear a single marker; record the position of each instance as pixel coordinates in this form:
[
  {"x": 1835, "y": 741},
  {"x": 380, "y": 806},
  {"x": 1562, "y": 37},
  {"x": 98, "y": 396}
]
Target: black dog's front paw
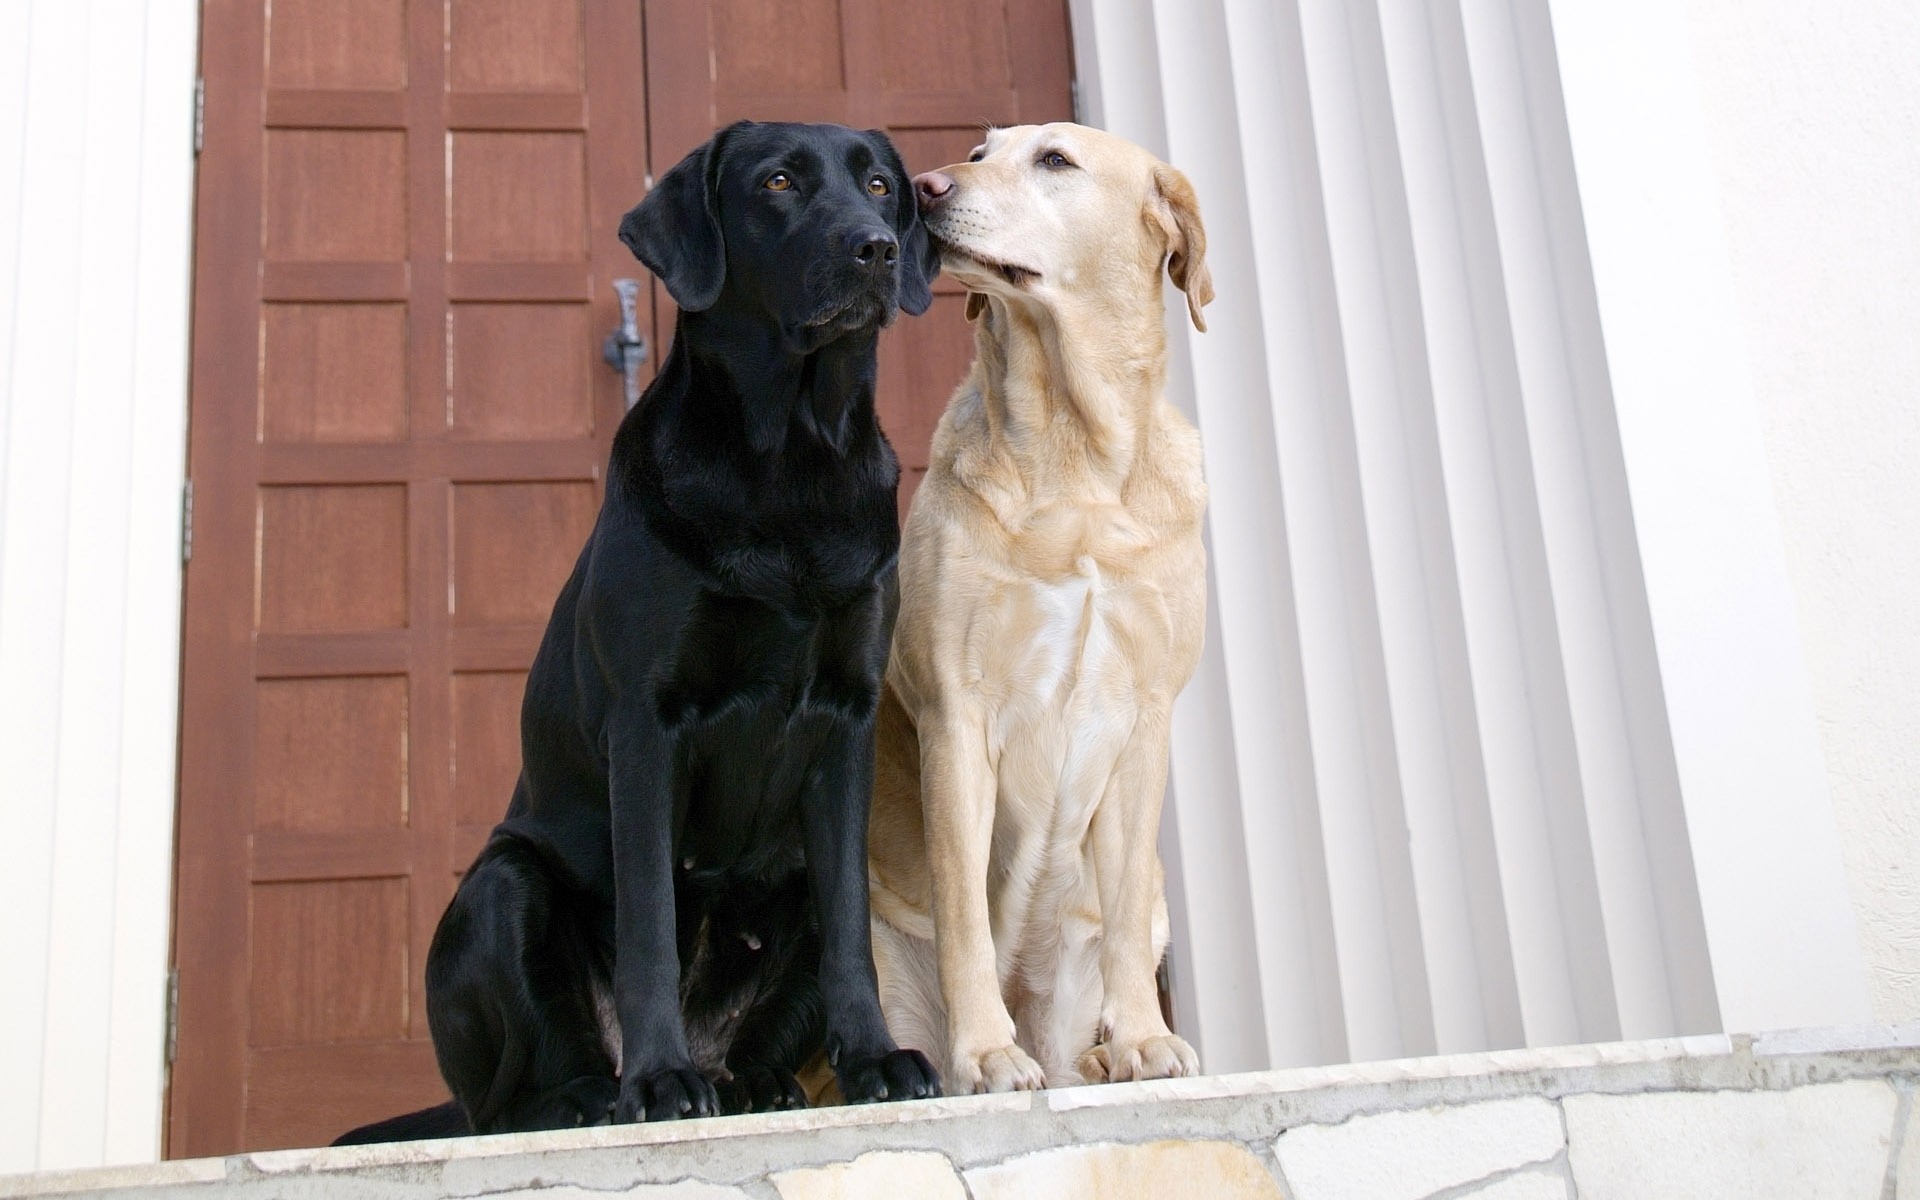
[
  {"x": 667, "y": 1095},
  {"x": 761, "y": 1089},
  {"x": 901, "y": 1075}
]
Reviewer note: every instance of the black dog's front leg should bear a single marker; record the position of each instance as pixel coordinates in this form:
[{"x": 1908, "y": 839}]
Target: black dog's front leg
[
  {"x": 657, "y": 1079},
  {"x": 869, "y": 1065}
]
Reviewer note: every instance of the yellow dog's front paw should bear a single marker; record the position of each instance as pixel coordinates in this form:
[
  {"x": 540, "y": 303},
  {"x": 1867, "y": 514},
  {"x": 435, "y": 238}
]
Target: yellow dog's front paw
[
  {"x": 1001, "y": 1069},
  {"x": 1163, "y": 1056}
]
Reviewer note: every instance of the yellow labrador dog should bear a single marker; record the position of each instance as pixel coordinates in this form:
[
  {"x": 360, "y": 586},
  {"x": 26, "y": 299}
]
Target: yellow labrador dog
[{"x": 1052, "y": 604}]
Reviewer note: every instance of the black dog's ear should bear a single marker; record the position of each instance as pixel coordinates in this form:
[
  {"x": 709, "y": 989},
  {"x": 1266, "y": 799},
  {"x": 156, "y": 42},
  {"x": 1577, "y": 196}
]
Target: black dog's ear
[
  {"x": 675, "y": 229},
  {"x": 919, "y": 260}
]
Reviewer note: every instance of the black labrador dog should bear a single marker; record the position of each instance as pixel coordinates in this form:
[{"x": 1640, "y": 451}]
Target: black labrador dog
[{"x": 678, "y": 893}]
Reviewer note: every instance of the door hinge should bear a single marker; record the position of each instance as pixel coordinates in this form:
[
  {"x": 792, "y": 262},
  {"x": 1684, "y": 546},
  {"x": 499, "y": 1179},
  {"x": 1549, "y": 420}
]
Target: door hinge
[
  {"x": 173, "y": 1012},
  {"x": 186, "y": 523},
  {"x": 199, "y": 113}
]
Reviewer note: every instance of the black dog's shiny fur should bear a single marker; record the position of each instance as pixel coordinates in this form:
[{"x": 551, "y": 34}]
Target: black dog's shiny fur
[{"x": 686, "y": 847}]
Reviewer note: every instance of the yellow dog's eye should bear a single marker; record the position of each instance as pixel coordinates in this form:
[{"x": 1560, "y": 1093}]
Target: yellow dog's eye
[
  {"x": 879, "y": 186},
  {"x": 979, "y": 152},
  {"x": 1055, "y": 159},
  {"x": 779, "y": 181}
]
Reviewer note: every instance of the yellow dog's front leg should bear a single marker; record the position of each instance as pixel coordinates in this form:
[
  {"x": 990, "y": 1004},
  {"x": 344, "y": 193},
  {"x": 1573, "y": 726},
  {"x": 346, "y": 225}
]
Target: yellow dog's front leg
[
  {"x": 1135, "y": 1042},
  {"x": 957, "y": 788}
]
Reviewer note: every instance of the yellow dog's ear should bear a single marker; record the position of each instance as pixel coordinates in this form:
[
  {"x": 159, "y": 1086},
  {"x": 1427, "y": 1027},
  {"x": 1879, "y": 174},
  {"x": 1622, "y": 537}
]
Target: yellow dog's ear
[
  {"x": 1176, "y": 211},
  {"x": 976, "y": 304}
]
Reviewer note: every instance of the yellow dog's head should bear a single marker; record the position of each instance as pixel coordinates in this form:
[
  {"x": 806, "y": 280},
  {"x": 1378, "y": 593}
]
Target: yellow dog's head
[{"x": 1061, "y": 214}]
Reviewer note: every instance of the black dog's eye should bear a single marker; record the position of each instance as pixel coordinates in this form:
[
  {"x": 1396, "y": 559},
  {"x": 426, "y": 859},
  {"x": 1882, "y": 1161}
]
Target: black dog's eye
[
  {"x": 1054, "y": 159},
  {"x": 779, "y": 181},
  {"x": 879, "y": 186},
  {"x": 979, "y": 152}
]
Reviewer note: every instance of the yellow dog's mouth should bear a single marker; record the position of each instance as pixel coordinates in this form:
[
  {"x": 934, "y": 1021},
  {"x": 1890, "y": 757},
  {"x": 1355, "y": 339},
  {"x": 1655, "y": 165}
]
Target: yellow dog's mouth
[{"x": 1013, "y": 273}]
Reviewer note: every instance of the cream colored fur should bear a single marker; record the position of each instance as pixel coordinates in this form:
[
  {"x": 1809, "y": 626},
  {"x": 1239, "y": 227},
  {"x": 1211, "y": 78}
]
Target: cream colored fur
[{"x": 1052, "y": 605}]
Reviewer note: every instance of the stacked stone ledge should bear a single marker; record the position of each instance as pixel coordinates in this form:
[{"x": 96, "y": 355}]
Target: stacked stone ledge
[{"x": 1806, "y": 1114}]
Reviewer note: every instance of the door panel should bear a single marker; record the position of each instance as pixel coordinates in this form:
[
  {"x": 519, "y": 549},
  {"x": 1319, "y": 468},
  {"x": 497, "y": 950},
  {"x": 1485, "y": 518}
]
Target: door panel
[
  {"x": 405, "y": 241},
  {"x": 406, "y": 209}
]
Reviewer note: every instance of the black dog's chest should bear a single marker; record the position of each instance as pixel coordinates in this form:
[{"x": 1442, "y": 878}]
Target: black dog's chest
[
  {"x": 754, "y": 696},
  {"x": 738, "y": 658},
  {"x": 807, "y": 536}
]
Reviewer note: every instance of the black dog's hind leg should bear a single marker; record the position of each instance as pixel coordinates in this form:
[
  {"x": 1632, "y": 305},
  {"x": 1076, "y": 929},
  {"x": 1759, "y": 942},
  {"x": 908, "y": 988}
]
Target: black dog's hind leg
[
  {"x": 779, "y": 1036},
  {"x": 511, "y": 978},
  {"x": 787, "y": 1022},
  {"x": 865, "y": 1058}
]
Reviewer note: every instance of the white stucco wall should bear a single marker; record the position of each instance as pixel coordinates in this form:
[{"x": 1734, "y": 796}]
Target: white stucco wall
[
  {"x": 1813, "y": 111},
  {"x": 96, "y": 202}
]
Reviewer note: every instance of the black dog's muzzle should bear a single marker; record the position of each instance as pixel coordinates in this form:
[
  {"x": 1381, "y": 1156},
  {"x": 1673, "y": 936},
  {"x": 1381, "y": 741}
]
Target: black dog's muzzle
[{"x": 859, "y": 288}]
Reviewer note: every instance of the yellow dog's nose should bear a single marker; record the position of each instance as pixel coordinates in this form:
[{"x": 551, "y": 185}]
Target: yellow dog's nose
[{"x": 932, "y": 188}]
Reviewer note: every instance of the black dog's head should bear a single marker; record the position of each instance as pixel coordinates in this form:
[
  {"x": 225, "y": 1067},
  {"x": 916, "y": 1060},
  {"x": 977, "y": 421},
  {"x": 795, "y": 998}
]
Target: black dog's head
[{"x": 814, "y": 226}]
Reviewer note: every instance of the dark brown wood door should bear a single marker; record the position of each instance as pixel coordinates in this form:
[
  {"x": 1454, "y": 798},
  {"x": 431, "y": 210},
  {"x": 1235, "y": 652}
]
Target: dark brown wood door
[{"x": 405, "y": 244}]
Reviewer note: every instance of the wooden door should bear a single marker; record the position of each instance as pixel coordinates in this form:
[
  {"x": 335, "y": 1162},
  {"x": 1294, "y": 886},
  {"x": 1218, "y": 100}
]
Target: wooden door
[
  {"x": 399, "y": 420},
  {"x": 405, "y": 243}
]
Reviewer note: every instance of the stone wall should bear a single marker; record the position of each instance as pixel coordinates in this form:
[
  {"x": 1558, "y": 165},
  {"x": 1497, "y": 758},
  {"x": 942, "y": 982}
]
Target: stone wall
[{"x": 1811, "y": 1114}]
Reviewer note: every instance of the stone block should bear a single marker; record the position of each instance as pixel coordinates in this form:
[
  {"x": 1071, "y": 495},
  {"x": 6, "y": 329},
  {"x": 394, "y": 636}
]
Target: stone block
[
  {"x": 1827, "y": 1140},
  {"x": 685, "y": 1189},
  {"x": 1410, "y": 1155},
  {"x": 181, "y": 1173},
  {"x": 1835, "y": 1039},
  {"x": 1907, "y": 1170},
  {"x": 1153, "y": 1171},
  {"x": 1524, "y": 1185},
  {"x": 876, "y": 1175}
]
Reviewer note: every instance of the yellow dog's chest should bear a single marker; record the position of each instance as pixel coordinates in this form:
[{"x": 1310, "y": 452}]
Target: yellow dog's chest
[
  {"x": 1068, "y": 655},
  {"x": 1073, "y": 608},
  {"x": 1068, "y": 703}
]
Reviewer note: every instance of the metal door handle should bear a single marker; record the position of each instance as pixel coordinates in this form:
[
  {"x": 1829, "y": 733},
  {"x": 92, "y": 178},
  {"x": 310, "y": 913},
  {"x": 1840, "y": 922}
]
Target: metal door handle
[{"x": 625, "y": 350}]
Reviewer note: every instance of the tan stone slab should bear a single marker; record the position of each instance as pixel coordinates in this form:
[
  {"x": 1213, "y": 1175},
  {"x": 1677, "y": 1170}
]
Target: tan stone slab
[
  {"x": 878, "y": 1175},
  {"x": 1153, "y": 1171}
]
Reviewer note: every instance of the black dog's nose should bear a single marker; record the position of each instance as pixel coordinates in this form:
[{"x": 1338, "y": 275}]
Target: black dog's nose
[{"x": 875, "y": 248}]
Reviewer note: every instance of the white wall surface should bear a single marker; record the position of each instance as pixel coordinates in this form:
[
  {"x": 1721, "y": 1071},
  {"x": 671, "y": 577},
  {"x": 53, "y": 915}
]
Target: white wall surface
[
  {"x": 96, "y": 171},
  {"x": 1759, "y": 820},
  {"x": 1813, "y": 114}
]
